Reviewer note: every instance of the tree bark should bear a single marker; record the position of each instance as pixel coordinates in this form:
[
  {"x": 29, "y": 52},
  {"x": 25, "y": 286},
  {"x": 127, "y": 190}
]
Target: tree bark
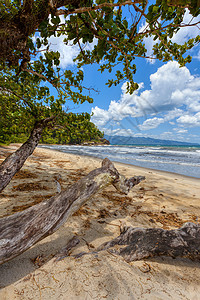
[
  {"x": 141, "y": 243},
  {"x": 15, "y": 31},
  {"x": 20, "y": 231},
  {"x": 14, "y": 162}
]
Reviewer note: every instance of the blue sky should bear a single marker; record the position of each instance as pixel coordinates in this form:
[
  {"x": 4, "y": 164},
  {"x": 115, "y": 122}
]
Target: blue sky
[{"x": 167, "y": 104}]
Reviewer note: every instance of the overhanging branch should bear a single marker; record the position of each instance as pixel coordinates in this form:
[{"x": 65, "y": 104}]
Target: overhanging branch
[{"x": 96, "y": 7}]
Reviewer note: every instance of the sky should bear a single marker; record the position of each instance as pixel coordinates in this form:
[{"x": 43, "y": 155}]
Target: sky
[{"x": 166, "y": 105}]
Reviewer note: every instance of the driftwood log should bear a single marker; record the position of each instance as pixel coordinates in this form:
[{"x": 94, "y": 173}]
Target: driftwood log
[
  {"x": 21, "y": 230},
  {"x": 141, "y": 243},
  {"x": 14, "y": 162}
]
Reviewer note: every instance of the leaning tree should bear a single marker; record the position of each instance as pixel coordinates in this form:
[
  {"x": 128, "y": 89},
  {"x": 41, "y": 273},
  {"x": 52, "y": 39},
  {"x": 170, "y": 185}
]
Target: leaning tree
[{"x": 113, "y": 32}]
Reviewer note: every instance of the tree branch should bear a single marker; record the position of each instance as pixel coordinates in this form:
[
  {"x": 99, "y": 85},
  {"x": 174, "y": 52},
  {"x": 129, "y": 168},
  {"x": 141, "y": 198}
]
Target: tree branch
[
  {"x": 14, "y": 162},
  {"x": 41, "y": 76},
  {"x": 96, "y": 7},
  {"x": 21, "y": 98}
]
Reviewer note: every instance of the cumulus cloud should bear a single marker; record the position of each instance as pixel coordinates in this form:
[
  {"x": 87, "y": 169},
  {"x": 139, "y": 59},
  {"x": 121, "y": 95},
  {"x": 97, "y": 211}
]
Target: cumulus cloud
[
  {"x": 155, "y": 122},
  {"x": 151, "y": 123},
  {"x": 174, "y": 93},
  {"x": 119, "y": 131},
  {"x": 168, "y": 135},
  {"x": 190, "y": 120},
  {"x": 178, "y": 130},
  {"x": 68, "y": 52}
]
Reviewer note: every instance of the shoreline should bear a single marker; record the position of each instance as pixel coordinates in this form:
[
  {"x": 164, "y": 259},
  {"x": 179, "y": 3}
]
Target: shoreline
[
  {"x": 163, "y": 200},
  {"x": 122, "y": 163}
]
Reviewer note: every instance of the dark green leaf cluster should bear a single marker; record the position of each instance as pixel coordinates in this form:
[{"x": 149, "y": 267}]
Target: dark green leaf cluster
[
  {"x": 74, "y": 129},
  {"x": 27, "y": 62},
  {"x": 113, "y": 26}
]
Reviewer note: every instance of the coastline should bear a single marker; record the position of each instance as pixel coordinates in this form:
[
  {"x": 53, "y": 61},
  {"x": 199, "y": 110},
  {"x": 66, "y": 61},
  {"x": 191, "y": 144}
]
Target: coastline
[
  {"x": 164, "y": 200},
  {"x": 127, "y": 164},
  {"x": 174, "y": 161}
]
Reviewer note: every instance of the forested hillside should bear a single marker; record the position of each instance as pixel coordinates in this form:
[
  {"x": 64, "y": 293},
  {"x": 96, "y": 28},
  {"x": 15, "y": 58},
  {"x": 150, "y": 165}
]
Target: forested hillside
[
  {"x": 16, "y": 125},
  {"x": 76, "y": 129}
]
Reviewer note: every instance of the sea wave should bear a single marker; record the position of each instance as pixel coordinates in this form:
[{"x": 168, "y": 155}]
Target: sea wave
[{"x": 181, "y": 160}]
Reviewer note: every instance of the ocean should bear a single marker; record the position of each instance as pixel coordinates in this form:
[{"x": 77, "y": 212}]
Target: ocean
[{"x": 181, "y": 160}]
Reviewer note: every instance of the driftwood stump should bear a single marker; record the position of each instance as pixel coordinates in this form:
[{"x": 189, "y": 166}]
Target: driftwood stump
[{"x": 141, "y": 243}]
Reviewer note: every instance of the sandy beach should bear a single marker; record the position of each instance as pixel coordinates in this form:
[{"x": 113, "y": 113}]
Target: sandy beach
[{"x": 163, "y": 200}]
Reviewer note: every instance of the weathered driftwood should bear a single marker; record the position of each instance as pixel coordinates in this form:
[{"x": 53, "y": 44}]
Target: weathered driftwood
[
  {"x": 143, "y": 243},
  {"x": 14, "y": 162},
  {"x": 20, "y": 231}
]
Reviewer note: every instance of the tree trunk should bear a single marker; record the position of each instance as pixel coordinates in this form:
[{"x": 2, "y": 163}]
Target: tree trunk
[
  {"x": 20, "y": 231},
  {"x": 15, "y": 31},
  {"x": 141, "y": 243},
  {"x": 14, "y": 162}
]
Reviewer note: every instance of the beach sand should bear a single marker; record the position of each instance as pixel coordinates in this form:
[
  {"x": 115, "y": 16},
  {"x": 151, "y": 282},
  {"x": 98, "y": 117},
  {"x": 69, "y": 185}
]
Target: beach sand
[{"x": 163, "y": 200}]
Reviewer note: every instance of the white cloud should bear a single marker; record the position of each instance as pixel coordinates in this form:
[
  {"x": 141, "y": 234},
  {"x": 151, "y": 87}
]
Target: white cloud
[
  {"x": 168, "y": 135},
  {"x": 118, "y": 110},
  {"x": 178, "y": 135},
  {"x": 149, "y": 43},
  {"x": 100, "y": 116},
  {"x": 151, "y": 123},
  {"x": 155, "y": 122},
  {"x": 68, "y": 52},
  {"x": 119, "y": 131},
  {"x": 174, "y": 93},
  {"x": 178, "y": 130},
  {"x": 189, "y": 32},
  {"x": 190, "y": 120},
  {"x": 173, "y": 114}
]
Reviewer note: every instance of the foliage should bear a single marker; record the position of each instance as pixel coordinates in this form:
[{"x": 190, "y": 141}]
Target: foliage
[
  {"x": 119, "y": 40},
  {"x": 17, "y": 121},
  {"x": 22, "y": 104},
  {"x": 114, "y": 28},
  {"x": 75, "y": 129}
]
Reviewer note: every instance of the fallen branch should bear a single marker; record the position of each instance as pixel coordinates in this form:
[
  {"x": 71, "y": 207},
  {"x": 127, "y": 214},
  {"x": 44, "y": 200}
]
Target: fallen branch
[
  {"x": 143, "y": 243},
  {"x": 20, "y": 231}
]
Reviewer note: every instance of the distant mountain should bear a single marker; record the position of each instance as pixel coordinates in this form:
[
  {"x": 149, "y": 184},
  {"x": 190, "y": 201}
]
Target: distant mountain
[{"x": 129, "y": 140}]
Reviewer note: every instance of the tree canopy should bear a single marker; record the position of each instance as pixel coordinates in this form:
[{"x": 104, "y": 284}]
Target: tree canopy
[{"x": 112, "y": 28}]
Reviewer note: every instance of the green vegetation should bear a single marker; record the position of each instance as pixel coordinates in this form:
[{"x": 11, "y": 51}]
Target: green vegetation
[
  {"x": 28, "y": 67},
  {"x": 73, "y": 128},
  {"x": 76, "y": 129},
  {"x": 23, "y": 103}
]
